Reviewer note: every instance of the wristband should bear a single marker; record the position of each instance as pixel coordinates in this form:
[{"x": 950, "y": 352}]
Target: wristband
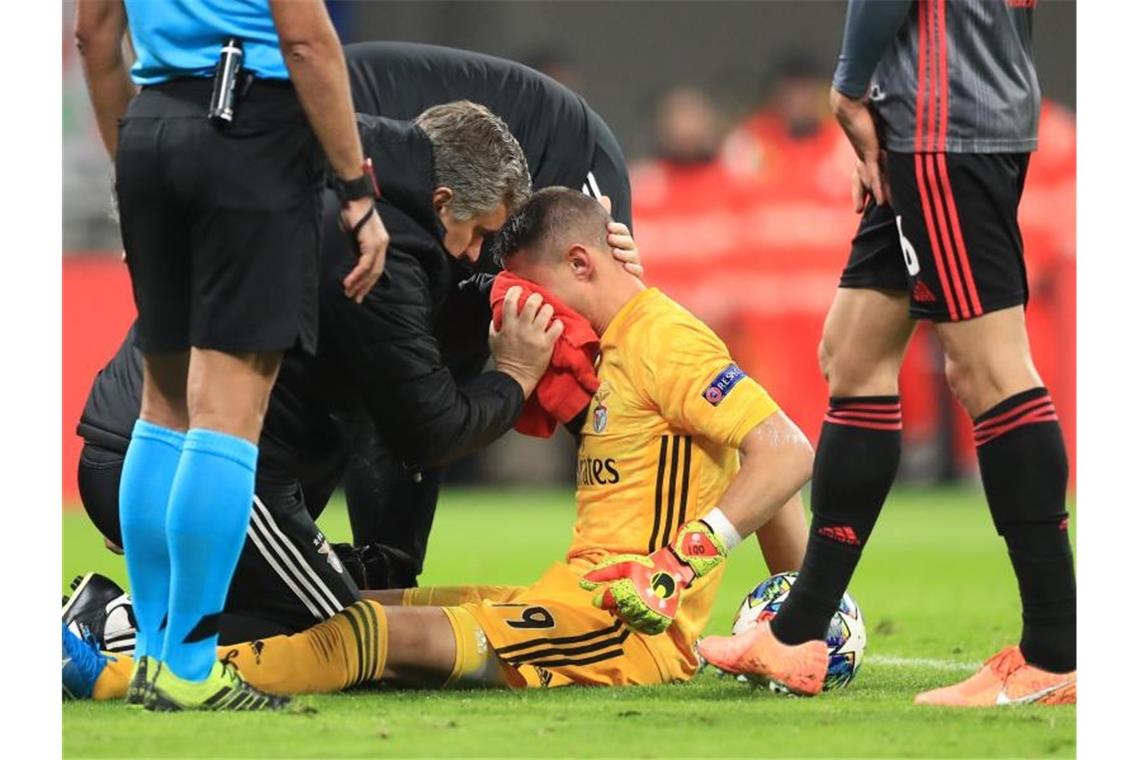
[
  {"x": 723, "y": 528},
  {"x": 363, "y": 186}
]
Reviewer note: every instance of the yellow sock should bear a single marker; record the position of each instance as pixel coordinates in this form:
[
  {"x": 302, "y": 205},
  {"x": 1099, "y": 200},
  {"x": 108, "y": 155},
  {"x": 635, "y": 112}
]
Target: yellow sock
[
  {"x": 346, "y": 650},
  {"x": 112, "y": 682},
  {"x": 475, "y": 664}
]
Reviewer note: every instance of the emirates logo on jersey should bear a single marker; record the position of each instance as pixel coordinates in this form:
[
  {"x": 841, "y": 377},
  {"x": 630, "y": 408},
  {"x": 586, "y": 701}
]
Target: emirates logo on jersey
[{"x": 598, "y": 472}]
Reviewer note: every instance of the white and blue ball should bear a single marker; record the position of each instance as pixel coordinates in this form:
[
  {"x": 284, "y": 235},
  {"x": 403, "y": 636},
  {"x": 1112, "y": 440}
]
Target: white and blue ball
[{"x": 846, "y": 638}]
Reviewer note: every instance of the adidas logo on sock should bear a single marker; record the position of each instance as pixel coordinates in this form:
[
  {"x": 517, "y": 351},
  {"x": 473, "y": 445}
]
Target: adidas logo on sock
[{"x": 844, "y": 534}]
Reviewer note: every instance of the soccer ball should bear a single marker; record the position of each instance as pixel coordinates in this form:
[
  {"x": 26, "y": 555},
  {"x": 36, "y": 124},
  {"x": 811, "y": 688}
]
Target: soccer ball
[{"x": 846, "y": 638}]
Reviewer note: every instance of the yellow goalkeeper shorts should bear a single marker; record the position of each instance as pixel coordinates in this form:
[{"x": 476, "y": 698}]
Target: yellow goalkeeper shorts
[{"x": 551, "y": 634}]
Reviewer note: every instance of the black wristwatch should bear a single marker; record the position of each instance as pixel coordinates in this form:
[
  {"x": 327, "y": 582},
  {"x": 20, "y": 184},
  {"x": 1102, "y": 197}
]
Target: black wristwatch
[{"x": 363, "y": 186}]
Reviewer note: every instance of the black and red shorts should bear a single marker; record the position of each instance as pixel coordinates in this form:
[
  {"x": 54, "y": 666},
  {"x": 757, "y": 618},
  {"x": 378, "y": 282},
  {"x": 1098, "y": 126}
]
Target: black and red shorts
[{"x": 949, "y": 238}]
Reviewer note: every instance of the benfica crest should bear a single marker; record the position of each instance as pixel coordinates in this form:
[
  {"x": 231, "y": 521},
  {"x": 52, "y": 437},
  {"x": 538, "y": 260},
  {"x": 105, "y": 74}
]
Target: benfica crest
[{"x": 601, "y": 414}]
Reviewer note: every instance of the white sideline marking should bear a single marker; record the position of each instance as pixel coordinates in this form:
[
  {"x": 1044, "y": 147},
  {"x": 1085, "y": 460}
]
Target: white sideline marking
[{"x": 924, "y": 662}]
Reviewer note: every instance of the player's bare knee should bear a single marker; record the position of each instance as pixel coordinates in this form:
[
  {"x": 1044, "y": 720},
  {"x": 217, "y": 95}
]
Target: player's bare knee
[
  {"x": 851, "y": 372},
  {"x": 960, "y": 379},
  {"x": 981, "y": 379},
  {"x": 975, "y": 384}
]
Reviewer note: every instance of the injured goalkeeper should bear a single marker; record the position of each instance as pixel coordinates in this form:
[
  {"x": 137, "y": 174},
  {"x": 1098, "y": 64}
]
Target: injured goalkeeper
[{"x": 681, "y": 455}]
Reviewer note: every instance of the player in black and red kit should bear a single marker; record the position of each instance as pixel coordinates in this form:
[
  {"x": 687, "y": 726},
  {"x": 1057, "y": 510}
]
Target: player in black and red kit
[{"x": 940, "y": 100}]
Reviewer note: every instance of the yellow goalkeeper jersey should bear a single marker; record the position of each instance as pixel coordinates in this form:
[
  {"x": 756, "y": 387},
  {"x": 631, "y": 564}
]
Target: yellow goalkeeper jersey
[{"x": 661, "y": 437}]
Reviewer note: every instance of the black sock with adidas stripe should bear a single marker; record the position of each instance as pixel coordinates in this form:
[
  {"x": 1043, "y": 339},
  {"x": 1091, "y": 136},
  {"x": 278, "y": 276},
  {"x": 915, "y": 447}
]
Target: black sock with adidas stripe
[
  {"x": 855, "y": 465},
  {"x": 1025, "y": 473}
]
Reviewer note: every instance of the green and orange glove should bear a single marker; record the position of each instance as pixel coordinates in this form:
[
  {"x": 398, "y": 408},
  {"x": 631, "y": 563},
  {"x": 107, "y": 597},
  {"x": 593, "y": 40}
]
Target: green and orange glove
[{"x": 645, "y": 591}]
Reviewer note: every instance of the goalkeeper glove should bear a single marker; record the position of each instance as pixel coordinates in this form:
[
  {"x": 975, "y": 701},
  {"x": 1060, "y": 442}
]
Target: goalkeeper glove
[{"x": 645, "y": 591}]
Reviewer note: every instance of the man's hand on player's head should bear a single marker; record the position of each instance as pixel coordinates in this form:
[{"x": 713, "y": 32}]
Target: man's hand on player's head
[
  {"x": 624, "y": 248},
  {"x": 523, "y": 344},
  {"x": 858, "y": 123},
  {"x": 621, "y": 242}
]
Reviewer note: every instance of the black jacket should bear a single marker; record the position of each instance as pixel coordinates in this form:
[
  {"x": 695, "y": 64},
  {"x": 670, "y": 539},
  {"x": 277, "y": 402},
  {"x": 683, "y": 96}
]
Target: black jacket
[{"x": 383, "y": 354}]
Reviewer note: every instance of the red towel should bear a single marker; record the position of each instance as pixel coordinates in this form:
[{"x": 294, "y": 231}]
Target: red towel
[{"x": 570, "y": 380}]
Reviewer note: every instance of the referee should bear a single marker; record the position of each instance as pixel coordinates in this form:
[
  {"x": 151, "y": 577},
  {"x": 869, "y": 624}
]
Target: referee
[{"x": 218, "y": 177}]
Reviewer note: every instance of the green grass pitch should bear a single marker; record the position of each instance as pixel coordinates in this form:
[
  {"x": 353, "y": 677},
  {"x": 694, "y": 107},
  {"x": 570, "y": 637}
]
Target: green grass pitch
[{"x": 935, "y": 588}]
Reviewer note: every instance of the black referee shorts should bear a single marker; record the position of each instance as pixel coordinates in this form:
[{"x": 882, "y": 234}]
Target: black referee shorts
[
  {"x": 950, "y": 237},
  {"x": 288, "y": 576},
  {"x": 221, "y": 226}
]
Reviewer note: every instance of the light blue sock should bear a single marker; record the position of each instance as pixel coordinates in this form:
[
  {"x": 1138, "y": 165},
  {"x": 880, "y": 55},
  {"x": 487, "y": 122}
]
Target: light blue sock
[
  {"x": 144, "y": 492},
  {"x": 210, "y": 504}
]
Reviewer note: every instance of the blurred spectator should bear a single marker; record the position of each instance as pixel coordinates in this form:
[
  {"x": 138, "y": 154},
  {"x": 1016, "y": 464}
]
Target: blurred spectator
[
  {"x": 799, "y": 96},
  {"x": 688, "y": 128},
  {"x": 685, "y": 173},
  {"x": 791, "y": 140}
]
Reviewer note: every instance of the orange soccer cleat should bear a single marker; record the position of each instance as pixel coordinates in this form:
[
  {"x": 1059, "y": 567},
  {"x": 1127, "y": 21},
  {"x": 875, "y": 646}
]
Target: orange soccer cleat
[
  {"x": 757, "y": 653},
  {"x": 1006, "y": 679}
]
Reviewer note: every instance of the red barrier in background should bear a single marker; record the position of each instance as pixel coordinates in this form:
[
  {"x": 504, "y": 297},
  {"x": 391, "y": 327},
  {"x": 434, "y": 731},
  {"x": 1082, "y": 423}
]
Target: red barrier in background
[{"x": 97, "y": 310}]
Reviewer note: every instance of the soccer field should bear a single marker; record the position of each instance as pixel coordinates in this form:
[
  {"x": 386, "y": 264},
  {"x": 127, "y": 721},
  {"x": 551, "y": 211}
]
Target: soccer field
[{"x": 935, "y": 588}]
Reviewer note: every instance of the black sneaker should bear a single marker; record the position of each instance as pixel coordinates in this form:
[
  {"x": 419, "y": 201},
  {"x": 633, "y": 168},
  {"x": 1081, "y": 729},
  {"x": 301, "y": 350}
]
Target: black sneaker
[{"x": 99, "y": 608}]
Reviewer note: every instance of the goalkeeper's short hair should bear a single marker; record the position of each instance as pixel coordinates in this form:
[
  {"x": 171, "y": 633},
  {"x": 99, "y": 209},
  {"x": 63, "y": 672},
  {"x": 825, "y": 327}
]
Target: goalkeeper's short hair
[{"x": 548, "y": 219}]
